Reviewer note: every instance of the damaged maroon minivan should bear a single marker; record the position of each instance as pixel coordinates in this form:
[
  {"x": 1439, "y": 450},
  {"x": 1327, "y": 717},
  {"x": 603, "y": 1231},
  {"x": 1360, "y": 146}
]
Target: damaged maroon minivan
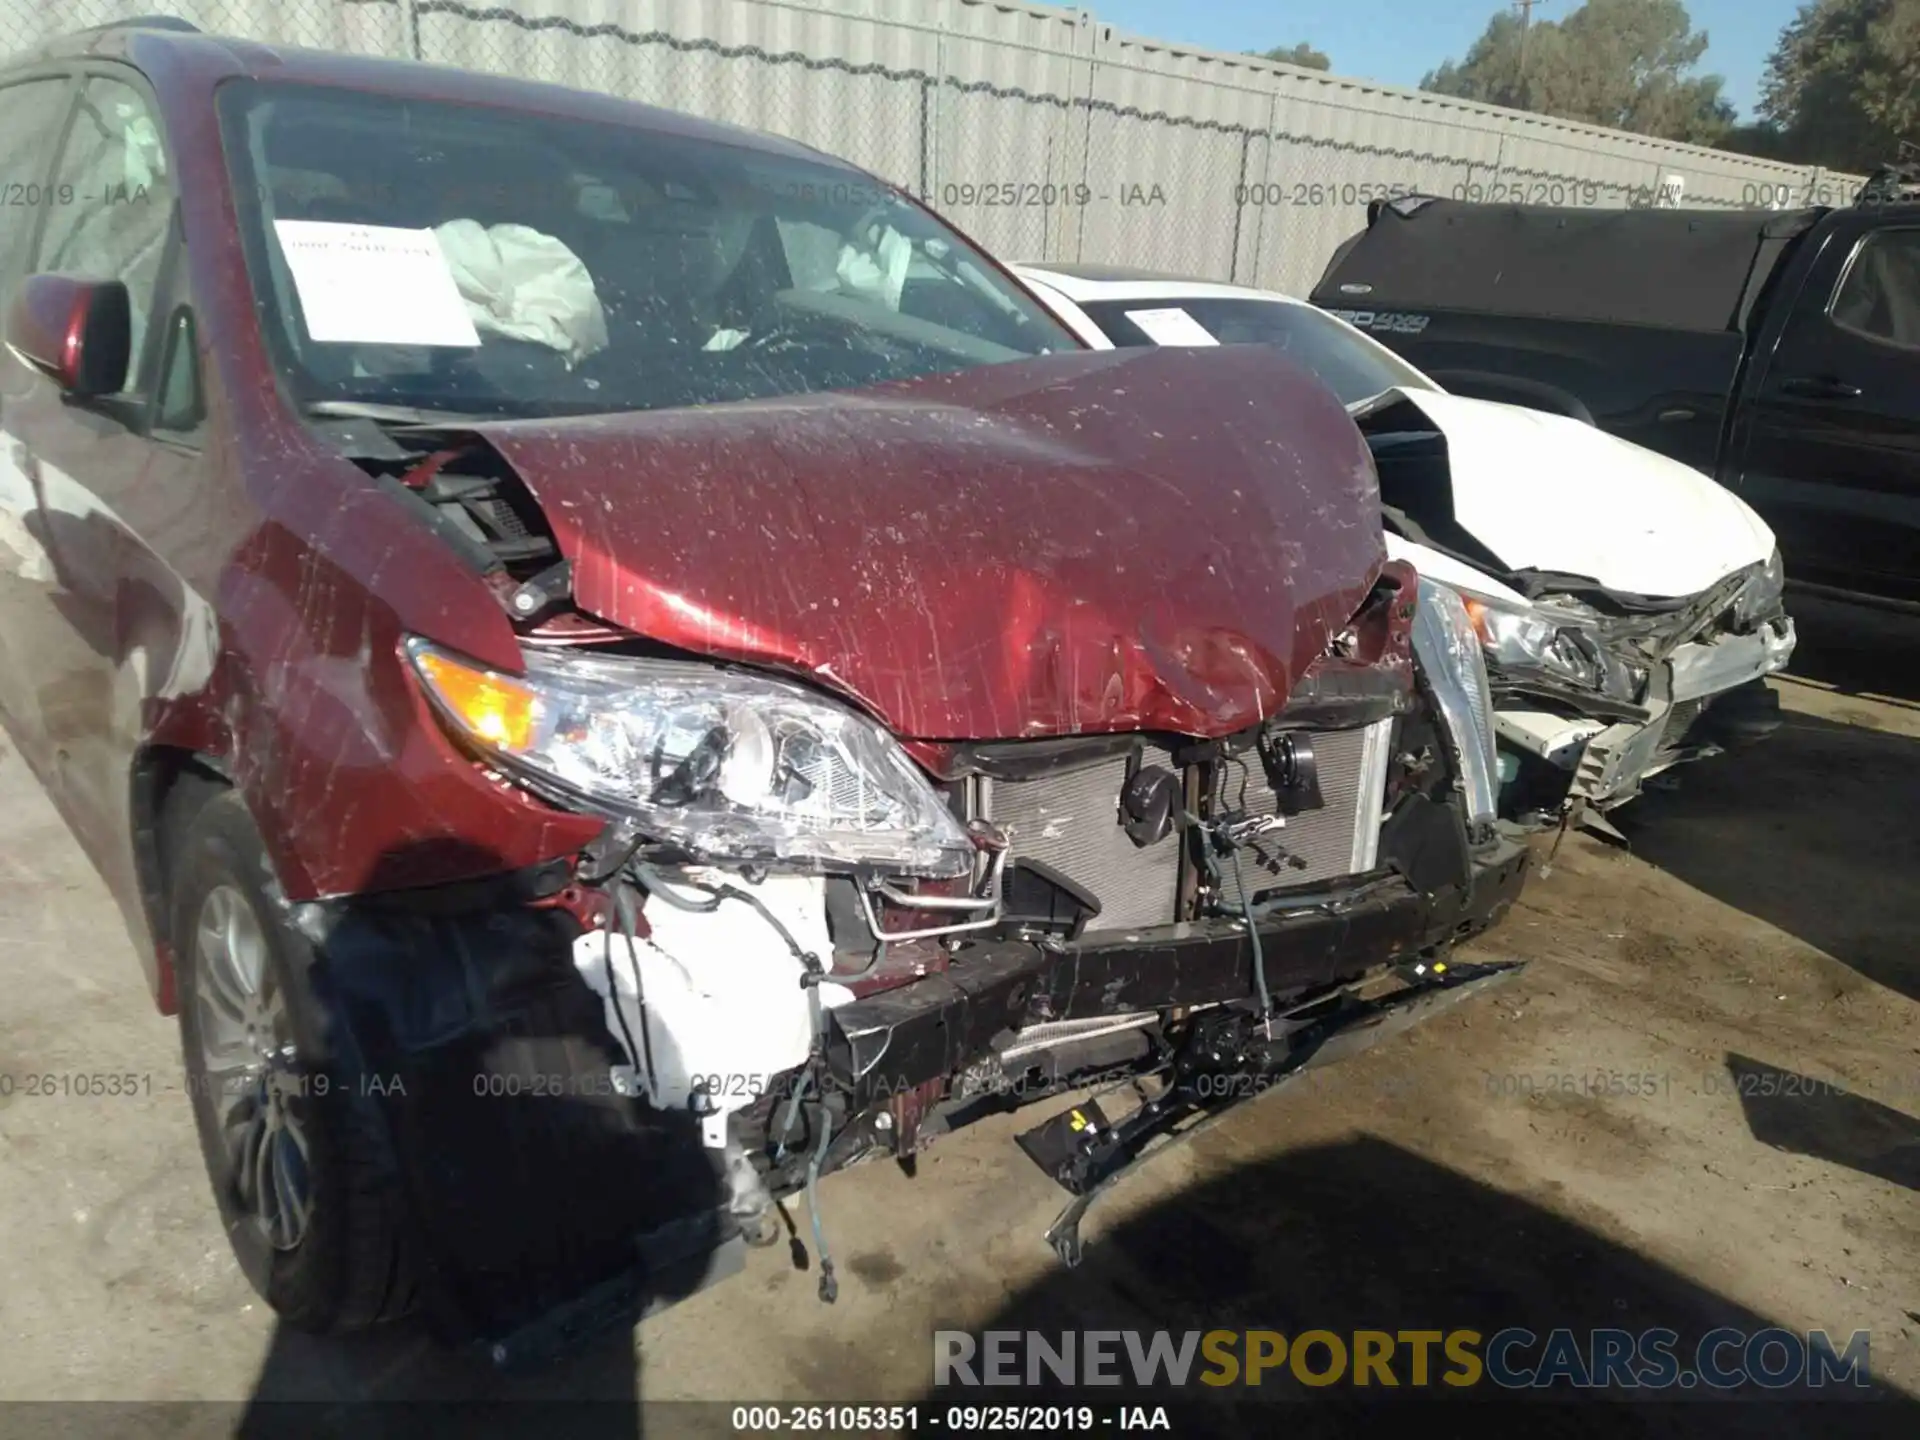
[{"x": 617, "y": 665}]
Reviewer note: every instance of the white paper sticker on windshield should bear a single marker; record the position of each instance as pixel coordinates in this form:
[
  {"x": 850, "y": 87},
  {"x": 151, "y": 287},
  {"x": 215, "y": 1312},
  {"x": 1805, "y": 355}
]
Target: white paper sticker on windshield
[
  {"x": 374, "y": 284},
  {"x": 1171, "y": 327}
]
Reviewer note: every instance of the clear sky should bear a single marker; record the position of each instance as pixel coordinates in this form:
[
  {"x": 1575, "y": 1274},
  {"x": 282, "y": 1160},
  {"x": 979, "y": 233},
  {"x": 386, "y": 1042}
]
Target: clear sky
[{"x": 1399, "y": 41}]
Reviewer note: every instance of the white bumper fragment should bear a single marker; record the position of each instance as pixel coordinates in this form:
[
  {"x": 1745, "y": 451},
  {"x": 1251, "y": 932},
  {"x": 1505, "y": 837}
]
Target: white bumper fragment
[
  {"x": 1713, "y": 667},
  {"x": 1610, "y": 761},
  {"x": 1556, "y": 739}
]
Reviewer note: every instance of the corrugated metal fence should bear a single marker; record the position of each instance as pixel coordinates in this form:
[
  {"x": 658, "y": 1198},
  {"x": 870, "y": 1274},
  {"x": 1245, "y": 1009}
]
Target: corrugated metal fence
[{"x": 1043, "y": 132}]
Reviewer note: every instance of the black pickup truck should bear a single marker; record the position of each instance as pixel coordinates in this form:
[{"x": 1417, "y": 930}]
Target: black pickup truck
[{"x": 1778, "y": 351}]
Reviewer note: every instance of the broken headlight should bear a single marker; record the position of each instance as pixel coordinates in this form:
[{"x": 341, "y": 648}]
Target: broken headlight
[
  {"x": 1456, "y": 671},
  {"x": 725, "y": 764},
  {"x": 1763, "y": 595},
  {"x": 1551, "y": 643}
]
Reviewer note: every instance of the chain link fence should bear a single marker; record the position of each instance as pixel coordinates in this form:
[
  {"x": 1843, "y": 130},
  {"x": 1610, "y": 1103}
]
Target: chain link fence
[{"x": 1042, "y": 132}]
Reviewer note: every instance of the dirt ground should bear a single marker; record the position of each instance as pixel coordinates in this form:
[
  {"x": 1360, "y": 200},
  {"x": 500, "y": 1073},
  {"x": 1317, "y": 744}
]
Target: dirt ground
[{"x": 1750, "y": 961}]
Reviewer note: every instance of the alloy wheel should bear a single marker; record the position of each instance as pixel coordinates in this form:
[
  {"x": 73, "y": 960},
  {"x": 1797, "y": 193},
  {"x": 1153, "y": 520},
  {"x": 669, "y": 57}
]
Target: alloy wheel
[{"x": 251, "y": 1069}]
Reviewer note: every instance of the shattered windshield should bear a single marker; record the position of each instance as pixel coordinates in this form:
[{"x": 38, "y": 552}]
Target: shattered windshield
[
  {"x": 479, "y": 260},
  {"x": 1347, "y": 364}
]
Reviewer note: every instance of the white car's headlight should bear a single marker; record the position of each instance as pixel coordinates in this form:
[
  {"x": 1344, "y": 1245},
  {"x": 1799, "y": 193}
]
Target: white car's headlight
[
  {"x": 1762, "y": 596},
  {"x": 1552, "y": 643},
  {"x": 1449, "y": 654},
  {"x": 728, "y": 765}
]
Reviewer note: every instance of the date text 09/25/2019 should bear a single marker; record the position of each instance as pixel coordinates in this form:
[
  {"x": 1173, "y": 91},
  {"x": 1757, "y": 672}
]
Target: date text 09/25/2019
[{"x": 946, "y": 1419}]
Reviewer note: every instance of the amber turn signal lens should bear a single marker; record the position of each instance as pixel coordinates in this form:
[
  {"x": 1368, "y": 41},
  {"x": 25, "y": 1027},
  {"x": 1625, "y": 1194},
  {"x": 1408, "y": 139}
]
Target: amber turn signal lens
[
  {"x": 1477, "y": 613},
  {"x": 496, "y": 710}
]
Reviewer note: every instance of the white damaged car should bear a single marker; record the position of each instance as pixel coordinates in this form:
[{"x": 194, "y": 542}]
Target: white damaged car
[{"x": 1629, "y": 607}]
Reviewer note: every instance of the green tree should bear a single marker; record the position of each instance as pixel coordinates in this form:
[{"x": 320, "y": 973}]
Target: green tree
[
  {"x": 1302, "y": 54},
  {"x": 1626, "y": 64},
  {"x": 1843, "y": 86}
]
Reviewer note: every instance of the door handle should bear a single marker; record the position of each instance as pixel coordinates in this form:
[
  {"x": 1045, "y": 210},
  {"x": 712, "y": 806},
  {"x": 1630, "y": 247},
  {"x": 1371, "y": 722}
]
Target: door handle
[{"x": 1820, "y": 387}]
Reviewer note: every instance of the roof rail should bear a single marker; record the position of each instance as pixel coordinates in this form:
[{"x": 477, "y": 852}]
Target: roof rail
[{"x": 148, "y": 22}]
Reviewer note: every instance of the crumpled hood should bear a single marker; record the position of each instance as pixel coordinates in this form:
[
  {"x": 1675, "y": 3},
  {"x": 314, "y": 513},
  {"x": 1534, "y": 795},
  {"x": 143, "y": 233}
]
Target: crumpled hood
[
  {"x": 1546, "y": 492},
  {"x": 1086, "y": 542}
]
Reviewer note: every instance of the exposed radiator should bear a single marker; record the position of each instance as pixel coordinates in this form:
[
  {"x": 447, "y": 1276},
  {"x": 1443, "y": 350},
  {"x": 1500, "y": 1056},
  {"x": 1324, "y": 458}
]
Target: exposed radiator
[
  {"x": 1071, "y": 821},
  {"x": 1341, "y": 837}
]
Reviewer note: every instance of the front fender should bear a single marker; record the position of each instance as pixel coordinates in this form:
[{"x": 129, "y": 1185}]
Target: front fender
[{"x": 313, "y": 712}]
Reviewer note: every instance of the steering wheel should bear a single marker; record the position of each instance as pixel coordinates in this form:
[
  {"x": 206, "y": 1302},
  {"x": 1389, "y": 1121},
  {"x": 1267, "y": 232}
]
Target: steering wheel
[{"x": 771, "y": 322}]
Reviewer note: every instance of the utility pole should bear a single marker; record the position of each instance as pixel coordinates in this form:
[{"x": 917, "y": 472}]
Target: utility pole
[{"x": 1525, "y": 7}]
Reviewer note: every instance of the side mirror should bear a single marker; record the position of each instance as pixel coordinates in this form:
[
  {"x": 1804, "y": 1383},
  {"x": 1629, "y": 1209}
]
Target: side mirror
[{"x": 77, "y": 332}]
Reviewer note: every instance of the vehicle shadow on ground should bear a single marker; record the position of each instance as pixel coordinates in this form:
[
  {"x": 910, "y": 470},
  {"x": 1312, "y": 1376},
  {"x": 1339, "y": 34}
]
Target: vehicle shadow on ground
[
  {"x": 1855, "y": 649},
  {"x": 406, "y": 1381},
  {"x": 530, "y": 1186},
  {"x": 1812, "y": 830},
  {"x": 399, "y": 1383},
  {"x": 1806, "y": 1116},
  {"x": 1364, "y": 1235}
]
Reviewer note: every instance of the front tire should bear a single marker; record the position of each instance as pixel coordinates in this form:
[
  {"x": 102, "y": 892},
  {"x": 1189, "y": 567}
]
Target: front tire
[{"x": 297, "y": 1160}]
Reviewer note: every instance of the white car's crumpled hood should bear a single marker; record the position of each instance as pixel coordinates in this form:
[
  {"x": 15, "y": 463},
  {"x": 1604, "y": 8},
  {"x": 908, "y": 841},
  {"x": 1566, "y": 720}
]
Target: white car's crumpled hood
[{"x": 1546, "y": 492}]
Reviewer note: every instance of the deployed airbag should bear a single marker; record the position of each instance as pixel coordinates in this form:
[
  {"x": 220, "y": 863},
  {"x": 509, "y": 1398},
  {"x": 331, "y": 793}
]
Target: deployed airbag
[
  {"x": 877, "y": 268},
  {"x": 523, "y": 284}
]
